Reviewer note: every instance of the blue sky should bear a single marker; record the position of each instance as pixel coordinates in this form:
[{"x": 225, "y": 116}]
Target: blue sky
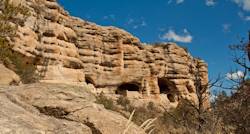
[{"x": 205, "y": 27}]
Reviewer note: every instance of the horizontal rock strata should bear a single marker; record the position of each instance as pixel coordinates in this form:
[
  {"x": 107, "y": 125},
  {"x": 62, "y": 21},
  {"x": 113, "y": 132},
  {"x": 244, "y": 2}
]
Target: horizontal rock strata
[{"x": 66, "y": 49}]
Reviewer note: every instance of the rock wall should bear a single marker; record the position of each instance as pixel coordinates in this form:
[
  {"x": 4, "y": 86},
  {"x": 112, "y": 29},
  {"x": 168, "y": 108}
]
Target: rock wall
[{"x": 70, "y": 50}]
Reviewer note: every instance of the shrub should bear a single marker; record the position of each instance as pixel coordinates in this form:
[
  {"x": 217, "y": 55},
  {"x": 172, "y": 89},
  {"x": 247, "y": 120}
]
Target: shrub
[
  {"x": 234, "y": 110},
  {"x": 15, "y": 62},
  {"x": 26, "y": 71},
  {"x": 8, "y": 27},
  {"x": 5, "y": 50},
  {"x": 125, "y": 103},
  {"x": 105, "y": 101},
  {"x": 186, "y": 119},
  {"x": 144, "y": 113}
]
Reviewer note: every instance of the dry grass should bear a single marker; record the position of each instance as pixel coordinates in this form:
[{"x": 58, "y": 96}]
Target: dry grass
[
  {"x": 16, "y": 3},
  {"x": 147, "y": 126}
]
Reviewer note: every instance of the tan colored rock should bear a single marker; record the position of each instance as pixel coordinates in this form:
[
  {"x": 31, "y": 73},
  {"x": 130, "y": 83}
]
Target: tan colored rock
[
  {"x": 8, "y": 77},
  {"x": 53, "y": 108},
  {"x": 71, "y": 50}
]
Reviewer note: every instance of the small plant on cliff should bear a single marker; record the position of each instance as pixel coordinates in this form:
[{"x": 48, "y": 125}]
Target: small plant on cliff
[
  {"x": 11, "y": 16},
  {"x": 143, "y": 113},
  {"x": 125, "y": 103},
  {"x": 105, "y": 101},
  {"x": 147, "y": 125}
]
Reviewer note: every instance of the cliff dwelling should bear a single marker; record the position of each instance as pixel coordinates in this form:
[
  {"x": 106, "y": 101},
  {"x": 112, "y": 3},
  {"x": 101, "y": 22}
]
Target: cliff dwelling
[
  {"x": 167, "y": 88},
  {"x": 129, "y": 89},
  {"x": 111, "y": 59}
]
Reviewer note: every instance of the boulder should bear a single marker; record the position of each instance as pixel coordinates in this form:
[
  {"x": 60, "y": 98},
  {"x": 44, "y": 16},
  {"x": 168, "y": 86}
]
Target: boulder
[
  {"x": 53, "y": 108},
  {"x": 7, "y": 76}
]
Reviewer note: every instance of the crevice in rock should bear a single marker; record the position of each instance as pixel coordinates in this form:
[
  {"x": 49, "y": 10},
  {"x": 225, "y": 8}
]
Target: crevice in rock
[
  {"x": 92, "y": 127},
  {"x": 61, "y": 113},
  {"x": 56, "y": 112}
]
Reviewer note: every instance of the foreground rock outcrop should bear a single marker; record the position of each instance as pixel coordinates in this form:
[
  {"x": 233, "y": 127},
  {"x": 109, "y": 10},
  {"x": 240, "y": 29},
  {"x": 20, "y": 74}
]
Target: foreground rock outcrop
[
  {"x": 56, "y": 109},
  {"x": 7, "y": 76},
  {"x": 69, "y": 50}
]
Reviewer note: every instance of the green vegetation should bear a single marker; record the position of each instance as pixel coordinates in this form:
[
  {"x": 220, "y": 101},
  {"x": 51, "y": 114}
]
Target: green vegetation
[
  {"x": 144, "y": 113},
  {"x": 10, "y": 17},
  {"x": 125, "y": 103},
  {"x": 227, "y": 114},
  {"x": 105, "y": 101}
]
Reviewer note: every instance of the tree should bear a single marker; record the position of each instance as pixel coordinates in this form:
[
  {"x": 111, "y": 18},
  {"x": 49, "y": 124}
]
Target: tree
[
  {"x": 198, "y": 116},
  {"x": 234, "y": 109},
  {"x": 241, "y": 53},
  {"x": 248, "y": 46}
]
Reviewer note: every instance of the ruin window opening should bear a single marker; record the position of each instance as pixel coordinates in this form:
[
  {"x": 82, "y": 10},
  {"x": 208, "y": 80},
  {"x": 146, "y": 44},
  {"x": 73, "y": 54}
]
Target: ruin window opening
[
  {"x": 128, "y": 87},
  {"x": 168, "y": 88},
  {"x": 164, "y": 85}
]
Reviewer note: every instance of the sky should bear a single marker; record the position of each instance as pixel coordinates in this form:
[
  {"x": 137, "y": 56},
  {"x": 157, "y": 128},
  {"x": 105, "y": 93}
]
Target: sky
[{"x": 205, "y": 27}]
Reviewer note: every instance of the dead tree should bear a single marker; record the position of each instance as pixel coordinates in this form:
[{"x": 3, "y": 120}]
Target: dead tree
[
  {"x": 197, "y": 116},
  {"x": 248, "y": 47},
  {"x": 241, "y": 53},
  {"x": 234, "y": 109}
]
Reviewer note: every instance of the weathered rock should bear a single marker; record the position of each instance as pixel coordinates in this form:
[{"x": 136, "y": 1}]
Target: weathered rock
[
  {"x": 71, "y": 50},
  {"x": 53, "y": 108},
  {"x": 8, "y": 77}
]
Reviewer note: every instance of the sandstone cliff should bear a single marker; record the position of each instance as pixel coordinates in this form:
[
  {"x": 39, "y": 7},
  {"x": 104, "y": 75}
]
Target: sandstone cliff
[{"x": 69, "y": 50}]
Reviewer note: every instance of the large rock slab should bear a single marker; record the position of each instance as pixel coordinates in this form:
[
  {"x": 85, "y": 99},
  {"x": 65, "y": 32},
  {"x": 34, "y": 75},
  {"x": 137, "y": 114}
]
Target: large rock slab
[
  {"x": 8, "y": 77},
  {"x": 60, "y": 109}
]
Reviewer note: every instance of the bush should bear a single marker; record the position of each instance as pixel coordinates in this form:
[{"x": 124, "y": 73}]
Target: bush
[
  {"x": 125, "y": 103},
  {"x": 144, "y": 113},
  {"x": 9, "y": 58},
  {"x": 234, "y": 110},
  {"x": 15, "y": 62},
  {"x": 186, "y": 119},
  {"x": 105, "y": 101},
  {"x": 26, "y": 71}
]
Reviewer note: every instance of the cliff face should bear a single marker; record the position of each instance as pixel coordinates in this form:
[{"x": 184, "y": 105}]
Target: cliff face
[{"x": 66, "y": 49}]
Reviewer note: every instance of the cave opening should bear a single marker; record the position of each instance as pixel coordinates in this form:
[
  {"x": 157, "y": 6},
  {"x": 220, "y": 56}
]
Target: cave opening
[
  {"x": 164, "y": 86},
  {"x": 89, "y": 80},
  {"x": 128, "y": 87},
  {"x": 168, "y": 88}
]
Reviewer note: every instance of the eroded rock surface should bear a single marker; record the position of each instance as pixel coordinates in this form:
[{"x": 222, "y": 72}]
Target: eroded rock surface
[
  {"x": 56, "y": 109},
  {"x": 66, "y": 49},
  {"x": 8, "y": 77}
]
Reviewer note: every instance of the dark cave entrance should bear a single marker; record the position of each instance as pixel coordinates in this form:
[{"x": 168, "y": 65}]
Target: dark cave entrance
[
  {"x": 124, "y": 88},
  {"x": 168, "y": 88},
  {"x": 164, "y": 86},
  {"x": 89, "y": 80}
]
